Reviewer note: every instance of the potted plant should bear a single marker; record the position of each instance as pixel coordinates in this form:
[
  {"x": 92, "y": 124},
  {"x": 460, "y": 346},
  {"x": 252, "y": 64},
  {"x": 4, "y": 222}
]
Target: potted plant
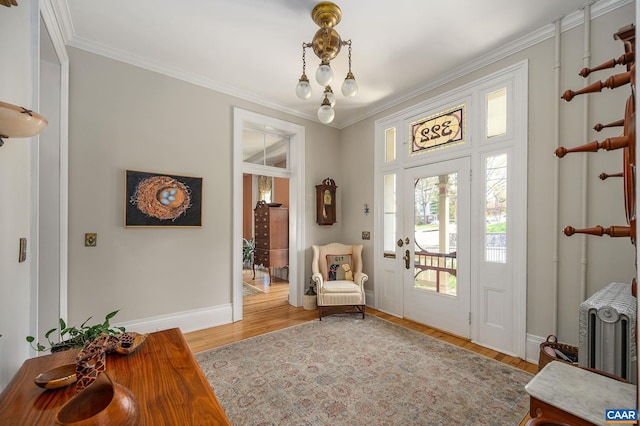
[
  {"x": 76, "y": 337},
  {"x": 248, "y": 248}
]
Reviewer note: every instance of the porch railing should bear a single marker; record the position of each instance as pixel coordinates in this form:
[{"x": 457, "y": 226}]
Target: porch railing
[{"x": 438, "y": 262}]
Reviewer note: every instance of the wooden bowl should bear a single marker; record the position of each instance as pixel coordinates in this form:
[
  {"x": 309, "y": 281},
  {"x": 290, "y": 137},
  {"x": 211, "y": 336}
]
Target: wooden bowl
[
  {"x": 101, "y": 403},
  {"x": 57, "y": 377}
]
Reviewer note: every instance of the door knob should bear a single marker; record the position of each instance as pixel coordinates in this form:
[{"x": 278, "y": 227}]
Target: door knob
[{"x": 406, "y": 259}]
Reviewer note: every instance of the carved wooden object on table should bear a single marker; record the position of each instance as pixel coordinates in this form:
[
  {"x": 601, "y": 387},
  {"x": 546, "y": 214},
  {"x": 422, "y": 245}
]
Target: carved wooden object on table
[
  {"x": 271, "y": 235},
  {"x": 103, "y": 402}
]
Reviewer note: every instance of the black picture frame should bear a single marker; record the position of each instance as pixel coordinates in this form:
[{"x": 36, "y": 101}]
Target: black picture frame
[{"x": 162, "y": 200}]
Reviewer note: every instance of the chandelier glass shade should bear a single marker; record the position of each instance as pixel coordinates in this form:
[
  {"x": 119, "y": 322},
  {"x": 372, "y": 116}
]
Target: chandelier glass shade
[
  {"x": 326, "y": 113},
  {"x": 324, "y": 74},
  {"x": 303, "y": 89},
  {"x": 326, "y": 45}
]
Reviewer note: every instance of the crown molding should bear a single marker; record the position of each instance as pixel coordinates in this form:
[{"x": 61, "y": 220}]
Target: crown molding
[
  {"x": 599, "y": 8},
  {"x": 568, "y": 22}
]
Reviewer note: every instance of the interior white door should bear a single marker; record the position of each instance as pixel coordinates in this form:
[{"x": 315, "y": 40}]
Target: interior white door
[{"x": 436, "y": 251}]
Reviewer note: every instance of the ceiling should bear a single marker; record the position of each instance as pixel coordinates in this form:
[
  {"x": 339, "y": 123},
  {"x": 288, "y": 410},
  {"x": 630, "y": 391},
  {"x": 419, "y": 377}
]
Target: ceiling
[{"x": 252, "y": 48}]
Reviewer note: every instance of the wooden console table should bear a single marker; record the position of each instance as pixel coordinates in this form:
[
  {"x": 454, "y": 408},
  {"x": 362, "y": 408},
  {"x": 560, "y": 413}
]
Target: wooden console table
[
  {"x": 163, "y": 374},
  {"x": 562, "y": 394}
]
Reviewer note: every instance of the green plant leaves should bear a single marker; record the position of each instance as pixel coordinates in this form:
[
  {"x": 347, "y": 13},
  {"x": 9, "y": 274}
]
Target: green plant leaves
[
  {"x": 76, "y": 337},
  {"x": 111, "y": 315}
]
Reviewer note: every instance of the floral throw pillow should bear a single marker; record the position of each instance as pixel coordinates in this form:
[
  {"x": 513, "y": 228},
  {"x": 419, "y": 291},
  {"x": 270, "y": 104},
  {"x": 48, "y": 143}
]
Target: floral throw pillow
[{"x": 339, "y": 267}]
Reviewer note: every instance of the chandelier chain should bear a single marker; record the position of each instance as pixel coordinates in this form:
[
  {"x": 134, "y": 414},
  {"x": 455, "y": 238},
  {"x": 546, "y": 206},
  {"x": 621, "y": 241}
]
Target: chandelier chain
[
  {"x": 348, "y": 43},
  {"x": 304, "y": 57}
]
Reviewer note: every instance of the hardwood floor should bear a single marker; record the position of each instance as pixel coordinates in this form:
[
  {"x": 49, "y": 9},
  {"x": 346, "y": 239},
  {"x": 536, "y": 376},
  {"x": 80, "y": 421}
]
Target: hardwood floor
[{"x": 270, "y": 311}]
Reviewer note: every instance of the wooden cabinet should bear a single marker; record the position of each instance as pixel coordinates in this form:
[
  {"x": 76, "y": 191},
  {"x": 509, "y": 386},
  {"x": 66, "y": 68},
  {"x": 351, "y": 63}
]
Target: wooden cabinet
[{"x": 271, "y": 233}]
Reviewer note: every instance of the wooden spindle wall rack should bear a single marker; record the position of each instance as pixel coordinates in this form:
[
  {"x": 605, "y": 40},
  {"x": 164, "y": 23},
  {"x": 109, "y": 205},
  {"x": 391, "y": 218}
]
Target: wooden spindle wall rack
[{"x": 626, "y": 143}]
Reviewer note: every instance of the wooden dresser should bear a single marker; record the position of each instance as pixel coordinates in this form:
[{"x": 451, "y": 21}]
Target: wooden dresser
[{"x": 271, "y": 235}]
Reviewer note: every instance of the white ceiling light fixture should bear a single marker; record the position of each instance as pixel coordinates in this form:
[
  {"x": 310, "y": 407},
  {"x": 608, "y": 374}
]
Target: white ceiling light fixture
[
  {"x": 326, "y": 45},
  {"x": 19, "y": 122}
]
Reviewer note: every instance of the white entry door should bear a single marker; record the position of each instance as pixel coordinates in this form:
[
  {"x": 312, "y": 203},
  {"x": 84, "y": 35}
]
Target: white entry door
[
  {"x": 436, "y": 245},
  {"x": 451, "y": 250}
]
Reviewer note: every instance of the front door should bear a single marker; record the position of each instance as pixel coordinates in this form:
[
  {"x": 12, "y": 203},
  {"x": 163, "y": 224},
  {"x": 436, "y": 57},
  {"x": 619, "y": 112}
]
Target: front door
[{"x": 436, "y": 245}]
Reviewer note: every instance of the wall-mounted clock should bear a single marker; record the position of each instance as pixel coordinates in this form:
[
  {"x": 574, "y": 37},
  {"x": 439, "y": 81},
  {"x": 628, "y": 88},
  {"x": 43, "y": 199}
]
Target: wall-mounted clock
[{"x": 326, "y": 202}]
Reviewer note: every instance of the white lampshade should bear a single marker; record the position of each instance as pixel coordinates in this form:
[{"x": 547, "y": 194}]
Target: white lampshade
[
  {"x": 349, "y": 86},
  {"x": 303, "y": 89},
  {"x": 326, "y": 114},
  {"x": 324, "y": 75}
]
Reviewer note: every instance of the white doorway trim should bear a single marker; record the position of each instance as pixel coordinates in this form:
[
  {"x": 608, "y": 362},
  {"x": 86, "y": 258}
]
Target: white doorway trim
[
  {"x": 47, "y": 14},
  {"x": 296, "y": 207}
]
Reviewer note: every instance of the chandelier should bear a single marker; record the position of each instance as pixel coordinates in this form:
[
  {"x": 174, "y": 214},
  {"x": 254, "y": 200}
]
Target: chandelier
[{"x": 326, "y": 45}]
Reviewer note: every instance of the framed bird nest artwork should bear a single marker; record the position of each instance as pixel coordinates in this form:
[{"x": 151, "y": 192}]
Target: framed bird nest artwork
[{"x": 161, "y": 200}]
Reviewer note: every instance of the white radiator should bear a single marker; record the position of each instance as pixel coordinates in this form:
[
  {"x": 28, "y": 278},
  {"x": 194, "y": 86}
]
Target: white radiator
[{"x": 607, "y": 331}]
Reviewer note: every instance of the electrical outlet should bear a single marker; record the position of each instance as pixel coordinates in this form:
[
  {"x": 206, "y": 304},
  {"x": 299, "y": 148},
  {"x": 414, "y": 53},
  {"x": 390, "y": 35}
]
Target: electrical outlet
[{"x": 90, "y": 240}]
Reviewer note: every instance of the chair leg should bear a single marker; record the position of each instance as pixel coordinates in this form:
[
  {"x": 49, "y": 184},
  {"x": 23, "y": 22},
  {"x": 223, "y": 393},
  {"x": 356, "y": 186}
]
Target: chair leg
[
  {"x": 320, "y": 312},
  {"x": 363, "y": 308}
]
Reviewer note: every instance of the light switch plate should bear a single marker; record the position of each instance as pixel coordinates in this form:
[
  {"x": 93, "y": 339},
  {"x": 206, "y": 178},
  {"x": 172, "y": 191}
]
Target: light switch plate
[
  {"x": 90, "y": 239},
  {"x": 366, "y": 235}
]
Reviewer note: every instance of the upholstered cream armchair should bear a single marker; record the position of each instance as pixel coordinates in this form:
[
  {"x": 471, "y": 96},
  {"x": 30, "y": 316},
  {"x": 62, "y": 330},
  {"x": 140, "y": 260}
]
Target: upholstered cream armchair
[{"x": 337, "y": 272}]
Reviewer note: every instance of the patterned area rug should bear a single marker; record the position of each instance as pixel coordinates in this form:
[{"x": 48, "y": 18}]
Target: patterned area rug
[
  {"x": 248, "y": 289},
  {"x": 348, "y": 371}
]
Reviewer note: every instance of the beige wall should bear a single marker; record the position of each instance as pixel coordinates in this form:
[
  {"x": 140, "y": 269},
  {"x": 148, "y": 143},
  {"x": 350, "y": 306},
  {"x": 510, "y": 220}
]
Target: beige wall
[
  {"x": 18, "y": 74},
  {"x": 123, "y": 117}
]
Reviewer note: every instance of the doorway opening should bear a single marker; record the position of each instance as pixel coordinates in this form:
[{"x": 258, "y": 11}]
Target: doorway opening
[
  {"x": 265, "y": 238},
  {"x": 274, "y": 150}
]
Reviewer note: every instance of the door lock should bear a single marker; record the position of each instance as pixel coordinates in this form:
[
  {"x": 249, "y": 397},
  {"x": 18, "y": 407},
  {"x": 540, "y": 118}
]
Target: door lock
[
  {"x": 400, "y": 242},
  {"x": 406, "y": 259},
  {"x": 407, "y": 241}
]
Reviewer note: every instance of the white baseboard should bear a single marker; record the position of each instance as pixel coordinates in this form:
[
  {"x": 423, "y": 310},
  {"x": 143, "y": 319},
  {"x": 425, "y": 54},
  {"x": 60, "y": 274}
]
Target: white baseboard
[
  {"x": 370, "y": 297},
  {"x": 533, "y": 348},
  {"x": 196, "y": 319}
]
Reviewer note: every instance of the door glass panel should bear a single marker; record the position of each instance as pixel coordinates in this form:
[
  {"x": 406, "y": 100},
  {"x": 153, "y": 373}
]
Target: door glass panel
[
  {"x": 496, "y": 209},
  {"x": 497, "y": 113},
  {"x": 438, "y": 131},
  {"x": 390, "y": 215},
  {"x": 390, "y": 145},
  {"x": 265, "y": 149},
  {"x": 435, "y": 233}
]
